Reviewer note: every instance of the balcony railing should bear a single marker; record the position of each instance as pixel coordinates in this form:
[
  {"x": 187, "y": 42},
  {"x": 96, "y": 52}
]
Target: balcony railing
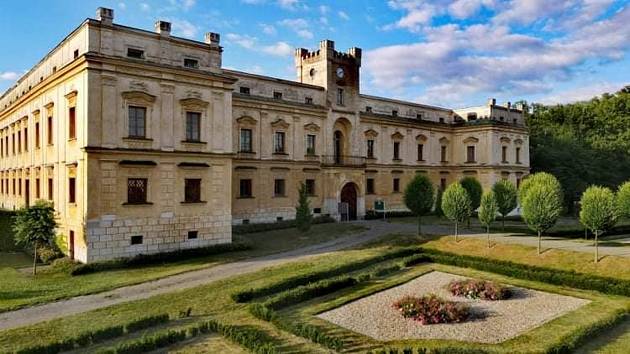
[{"x": 343, "y": 160}]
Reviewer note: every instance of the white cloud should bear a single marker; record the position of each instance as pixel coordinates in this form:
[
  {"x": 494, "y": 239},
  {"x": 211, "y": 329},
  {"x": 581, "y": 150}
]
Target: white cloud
[
  {"x": 299, "y": 25},
  {"x": 466, "y": 8},
  {"x": 183, "y": 4},
  {"x": 144, "y": 6},
  {"x": 281, "y": 49},
  {"x": 9, "y": 75},
  {"x": 582, "y": 93},
  {"x": 529, "y": 11},
  {"x": 268, "y": 29},
  {"x": 343, "y": 15},
  {"x": 323, "y": 9},
  {"x": 419, "y": 13},
  {"x": 291, "y": 4},
  {"x": 184, "y": 28},
  {"x": 122, "y": 6},
  {"x": 303, "y": 33},
  {"x": 244, "y": 41}
]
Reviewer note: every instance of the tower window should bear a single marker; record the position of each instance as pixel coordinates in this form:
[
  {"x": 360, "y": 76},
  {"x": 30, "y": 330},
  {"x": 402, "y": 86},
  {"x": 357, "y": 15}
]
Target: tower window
[
  {"x": 244, "y": 90},
  {"x": 191, "y": 63},
  {"x": 370, "y": 149},
  {"x": 396, "y": 186},
  {"x": 340, "y": 97},
  {"x": 277, "y": 95},
  {"x": 308, "y": 100},
  {"x": 368, "y": 109},
  {"x": 396, "y": 150},
  {"x": 395, "y": 113},
  {"x": 135, "y": 53}
]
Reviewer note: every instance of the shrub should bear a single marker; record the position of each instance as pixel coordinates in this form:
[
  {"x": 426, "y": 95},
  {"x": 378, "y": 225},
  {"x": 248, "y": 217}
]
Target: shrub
[
  {"x": 151, "y": 342},
  {"x": 479, "y": 289},
  {"x": 47, "y": 253},
  {"x": 474, "y": 190},
  {"x": 488, "y": 210},
  {"x": 35, "y": 226},
  {"x": 303, "y": 216},
  {"x": 148, "y": 259},
  {"x": 418, "y": 197},
  {"x": 506, "y": 196},
  {"x": 290, "y": 283},
  {"x": 623, "y": 200},
  {"x": 456, "y": 204},
  {"x": 63, "y": 265},
  {"x": 278, "y": 225},
  {"x": 431, "y": 309},
  {"x": 146, "y": 322}
]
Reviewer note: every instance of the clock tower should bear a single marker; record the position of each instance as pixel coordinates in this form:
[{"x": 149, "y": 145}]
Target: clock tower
[{"x": 337, "y": 72}]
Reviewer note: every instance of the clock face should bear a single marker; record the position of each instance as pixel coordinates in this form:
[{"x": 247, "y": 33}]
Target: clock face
[{"x": 340, "y": 73}]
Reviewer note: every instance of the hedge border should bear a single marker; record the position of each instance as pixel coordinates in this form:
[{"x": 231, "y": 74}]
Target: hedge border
[{"x": 278, "y": 225}]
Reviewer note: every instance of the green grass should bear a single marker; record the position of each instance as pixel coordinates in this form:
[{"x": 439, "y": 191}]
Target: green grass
[
  {"x": 19, "y": 289},
  {"x": 6, "y": 233},
  {"x": 15, "y": 260}
]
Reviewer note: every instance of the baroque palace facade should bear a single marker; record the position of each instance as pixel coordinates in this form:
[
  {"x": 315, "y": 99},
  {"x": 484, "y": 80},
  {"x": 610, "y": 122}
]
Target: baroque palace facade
[{"x": 146, "y": 144}]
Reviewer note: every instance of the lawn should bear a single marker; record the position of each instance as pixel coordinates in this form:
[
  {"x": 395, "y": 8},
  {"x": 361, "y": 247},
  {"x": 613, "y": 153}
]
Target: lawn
[
  {"x": 15, "y": 260},
  {"x": 18, "y": 288},
  {"x": 214, "y": 300}
]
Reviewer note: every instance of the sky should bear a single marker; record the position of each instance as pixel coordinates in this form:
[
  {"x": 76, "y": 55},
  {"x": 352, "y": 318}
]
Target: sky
[{"x": 448, "y": 53}]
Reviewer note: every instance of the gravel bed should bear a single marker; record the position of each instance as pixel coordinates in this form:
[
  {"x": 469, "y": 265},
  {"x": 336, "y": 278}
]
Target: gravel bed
[{"x": 491, "y": 322}]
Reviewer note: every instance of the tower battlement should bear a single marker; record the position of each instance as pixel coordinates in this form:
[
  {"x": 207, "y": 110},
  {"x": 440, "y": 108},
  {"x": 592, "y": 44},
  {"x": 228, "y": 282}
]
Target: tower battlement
[{"x": 327, "y": 50}]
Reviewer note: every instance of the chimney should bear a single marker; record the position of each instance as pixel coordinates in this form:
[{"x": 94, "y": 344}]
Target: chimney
[
  {"x": 105, "y": 15},
  {"x": 492, "y": 101},
  {"x": 212, "y": 38},
  {"x": 163, "y": 28}
]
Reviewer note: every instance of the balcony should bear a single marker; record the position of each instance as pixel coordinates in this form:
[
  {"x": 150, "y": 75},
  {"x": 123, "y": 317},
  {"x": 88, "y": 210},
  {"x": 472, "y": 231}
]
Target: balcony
[{"x": 343, "y": 161}]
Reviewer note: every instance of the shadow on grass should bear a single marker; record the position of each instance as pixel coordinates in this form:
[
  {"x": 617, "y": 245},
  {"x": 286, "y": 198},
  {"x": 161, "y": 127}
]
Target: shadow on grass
[{"x": 12, "y": 295}]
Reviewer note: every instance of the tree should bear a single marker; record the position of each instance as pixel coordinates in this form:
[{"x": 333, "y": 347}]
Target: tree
[
  {"x": 303, "y": 216},
  {"x": 538, "y": 178},
  {"x": 505, "y": 194},
  {"x": 488, "y": 209},
  {"x": 438, "y": 203},
  {"x": 623, "y": 200},
  {"x": 542, "y": 205},
  {"x": 35, "y": 226},
  {"x": 456, "y": 205},
  {"x": 419, "y": 197},
  {"x": 598, "y": 212},
  {"x": 474, "y": 189}
]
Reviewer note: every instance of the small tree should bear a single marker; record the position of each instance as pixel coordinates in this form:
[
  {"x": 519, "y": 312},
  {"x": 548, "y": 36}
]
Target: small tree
[
  {"x": 623, "y": 200},
  {"x": 537, "y": 178},
  {"x": 488, "y": 209},
  {"x": 542, "y": 205},
  {"x": 456, "y": 205},
  {"x": 598, "y": 211},
  {"x": 303, "y": 216},
  {"x": 438, "y": 203},
  {"x": 35, "y": 226},
  {"x": 419, "y": 197},
  {"x": 474, "y": 189},
  {"x": 505, "y": 194}
]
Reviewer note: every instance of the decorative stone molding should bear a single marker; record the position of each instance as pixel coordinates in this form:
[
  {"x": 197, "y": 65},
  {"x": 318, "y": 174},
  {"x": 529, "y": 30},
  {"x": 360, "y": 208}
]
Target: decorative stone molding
[
  {"x": 421, "y": 138},
  {"x": 471, "y": 139},
  {"x": 371, "y": 133},
  {"x": 138, "y": 96},
  {"x": 444, "y": 141},
  {"x": 280, "y": 123},
  {"x": 505, "y": 139},
  {"x": 311, "y": 127},
  {"x": 193, "y": 103},
  {"x": 397, "y": 136},
  {"x": 518, "y": 142},
  {"x": 246, "y": 120}
]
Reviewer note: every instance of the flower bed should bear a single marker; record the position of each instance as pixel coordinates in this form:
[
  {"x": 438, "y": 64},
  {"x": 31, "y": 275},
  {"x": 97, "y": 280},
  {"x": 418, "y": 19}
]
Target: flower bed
[
  {"x": 479, "y": 289},
  {"x": 431, "y": 309}
]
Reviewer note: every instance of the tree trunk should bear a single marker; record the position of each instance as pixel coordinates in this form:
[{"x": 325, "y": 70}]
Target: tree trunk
[
  {"x": 35, "y": 259},
  {"x": 503, "y": 221},
  {"x": 456, "y": 232},
  {"x": 585, "y": 233},
  {"x": 596, "y": 248},
  {"x": 419, "y": 225},
  {"x": 488, "y": 234},
  {"x": 468, "y": 222},
  {"x": 539, "y": 242}
]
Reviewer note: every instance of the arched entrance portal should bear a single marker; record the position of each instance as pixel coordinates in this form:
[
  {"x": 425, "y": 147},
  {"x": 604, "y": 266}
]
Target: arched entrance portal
[{"x": 349, "y": 197}]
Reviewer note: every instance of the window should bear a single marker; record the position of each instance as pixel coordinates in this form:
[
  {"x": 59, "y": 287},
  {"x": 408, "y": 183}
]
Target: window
[
  {"x": 245, "y": 140},
  {"x": 245, "y": 188},
  {"x": 278, "y": 143},
  {"x": 419, "y": 116},
  {"x": 501, "y": 118},
  {"x": 72, "y": 120},
  {"x": 19, "y": 186},
  {"x": 278, "y": 188},
  {"x": 310, "y": 144},
  {"x": 441, "y": 120},
  {"x": 137, "y": 121},
  {"x": 396, "y": 186},
  {"x": 136, "y": 240},
  {"x": 50, "y": 130},
  {"x": 518, "y": 155},
  {"x": 308, "y": 100},
  {"x": 19, "y": 142},
  {"x": 472, "y": 116},
  {"x": 420, "y": 152},
  {"x": 504, "y": 154},
  {"x": 443, "y": 153},
  {"x": 396, "y": 150},
  {"x": 370, "y": 149},
  {"x": 368, "y": 109},
  {"x": 369, "y": 186},
  {"x": 37, "y": 189},
  {"x": 442, "y": 183},
  {"x": 37, "y": 135},
  {"x": 310, "y": 186},
  {"x": 340, "y": 96},
  {"x": 244, "y": 90},
  {"x": 76, "y": 53},
  {"x": 515, "y": 121},
  {"x": 395, "y": 113},
  {"x": 470, "y": 154},
  {"x": 192, "y": 235},
  {"x": 50, "y": 188},
  {"x": 277, "y": 95},
  {"x": 193, "y": 126},
  {"x": 25, "y": 139},
  {"x": 135, "y": 53},
  {"x": 137, "y": 190},
  {"x": 192, "y": 190},
  {"x": 72, "y": 190},
  {"x": 191, "y": 63}
]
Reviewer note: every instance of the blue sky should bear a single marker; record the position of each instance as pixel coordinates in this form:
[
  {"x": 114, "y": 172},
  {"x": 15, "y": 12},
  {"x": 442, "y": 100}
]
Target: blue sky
[{"x": 449, "y": 53}]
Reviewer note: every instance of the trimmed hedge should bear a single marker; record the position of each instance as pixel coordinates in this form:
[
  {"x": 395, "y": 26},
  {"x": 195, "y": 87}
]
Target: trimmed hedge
[
  {"x": 278, "y": 225},
  {"x": 150, "y": 342},
  {"x": 293, "y": 282},
  {"x": 255, "y": 340},
  {"x": 95, "y": 336},
  {"x": 149, "y": 259},
  {"x": 306, "y": 292},
  {"x": 421, "y": 350},
  {"x": 571, "y": 279}
]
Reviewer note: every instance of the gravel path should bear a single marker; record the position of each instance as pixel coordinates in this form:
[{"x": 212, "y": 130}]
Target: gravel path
[
  {"x": 76, "y": 305},
  {"x": 496, "y": 321}
]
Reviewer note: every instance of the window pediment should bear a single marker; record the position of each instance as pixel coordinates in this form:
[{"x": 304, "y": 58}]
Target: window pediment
[
  {"x": 280, "y": 123},
  {"x": 312, "y": 127},
  {"x": 518, "y": 142},
  {"x": 246, "y": 120},
  {"x": 471, "y": 139},
  {"x": 138, "y": 96},
  {"x": 193, "y": 103},
  {"x": 421, "y": 138},
  {"x": 444, "y": 141},
  {"x": 371, "y": 133},
  {"x": 505, "y": 139},
  {"x": 397, "y": 136}
]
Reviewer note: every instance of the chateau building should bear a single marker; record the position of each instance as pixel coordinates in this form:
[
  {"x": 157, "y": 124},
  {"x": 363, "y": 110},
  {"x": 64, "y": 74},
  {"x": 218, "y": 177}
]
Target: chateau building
[{"x": 146, "y": 144}]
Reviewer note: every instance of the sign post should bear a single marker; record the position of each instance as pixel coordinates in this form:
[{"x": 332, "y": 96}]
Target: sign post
[{"x": 379, "y": 207}]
